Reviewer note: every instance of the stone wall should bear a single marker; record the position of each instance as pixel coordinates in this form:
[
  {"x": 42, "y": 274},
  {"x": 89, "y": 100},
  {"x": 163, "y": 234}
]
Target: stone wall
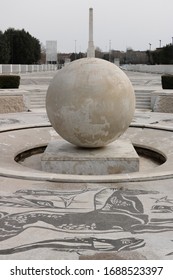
[
  {"x": 11, "y": 104},
  {"x": 12, "y": 101}
]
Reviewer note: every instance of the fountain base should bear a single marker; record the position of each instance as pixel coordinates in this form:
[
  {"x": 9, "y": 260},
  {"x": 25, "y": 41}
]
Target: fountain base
[{"x": 63, "y": 158}]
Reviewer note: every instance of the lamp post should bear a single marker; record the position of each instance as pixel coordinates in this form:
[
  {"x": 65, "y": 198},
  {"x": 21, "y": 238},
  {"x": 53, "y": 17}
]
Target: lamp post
[
  {"x": 160, "y": 43},
  {"x": 75, "y": 49},
  {"x": 149, "y": 54},
  {"x": 109, "y": 50}
]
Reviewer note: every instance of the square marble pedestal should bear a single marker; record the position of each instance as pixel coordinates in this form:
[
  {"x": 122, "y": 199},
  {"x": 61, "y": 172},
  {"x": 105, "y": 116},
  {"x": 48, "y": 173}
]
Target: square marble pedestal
[{"x": 62, "y": 157}]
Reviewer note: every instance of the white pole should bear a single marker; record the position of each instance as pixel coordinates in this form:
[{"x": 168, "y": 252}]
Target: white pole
[{"x": 91, "y": 49}]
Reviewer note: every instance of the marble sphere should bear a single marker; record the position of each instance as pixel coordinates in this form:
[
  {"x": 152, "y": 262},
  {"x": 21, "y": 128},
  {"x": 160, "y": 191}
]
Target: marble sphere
[{"x": 90, "y": 102}]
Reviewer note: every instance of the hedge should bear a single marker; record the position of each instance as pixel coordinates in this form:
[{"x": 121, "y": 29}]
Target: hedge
[
  {"x": 9, "y": 81},
  {"x": 167, "y": 81}
]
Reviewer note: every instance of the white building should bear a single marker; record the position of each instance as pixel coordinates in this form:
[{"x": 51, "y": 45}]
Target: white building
[{"x": 51, "y": 52}]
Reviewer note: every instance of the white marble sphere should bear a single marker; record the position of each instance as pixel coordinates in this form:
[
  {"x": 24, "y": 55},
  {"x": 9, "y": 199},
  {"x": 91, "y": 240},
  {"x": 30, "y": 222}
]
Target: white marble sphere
[{"x": 90, "y": 102}]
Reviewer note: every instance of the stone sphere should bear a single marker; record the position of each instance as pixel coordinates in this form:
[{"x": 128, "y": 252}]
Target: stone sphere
[{"x": 90, "y": 102}]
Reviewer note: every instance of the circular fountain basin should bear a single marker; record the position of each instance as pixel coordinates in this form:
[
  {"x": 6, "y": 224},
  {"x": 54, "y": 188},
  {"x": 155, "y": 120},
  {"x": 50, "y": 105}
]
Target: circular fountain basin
[{"x": 22, "y": 148}]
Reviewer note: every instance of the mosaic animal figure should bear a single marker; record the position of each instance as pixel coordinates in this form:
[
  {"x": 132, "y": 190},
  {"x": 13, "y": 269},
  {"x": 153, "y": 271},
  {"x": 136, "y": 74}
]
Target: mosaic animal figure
[
  {"x": 162, "y": 209},
  {"x": 79, "y": 244},
  {"x": 120, "y": 210}
]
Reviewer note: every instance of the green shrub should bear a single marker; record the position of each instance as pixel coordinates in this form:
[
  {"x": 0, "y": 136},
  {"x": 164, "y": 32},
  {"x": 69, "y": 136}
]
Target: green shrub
[
  {"x": 9, "y": 81},
  {"x": 167, "y": 81}
]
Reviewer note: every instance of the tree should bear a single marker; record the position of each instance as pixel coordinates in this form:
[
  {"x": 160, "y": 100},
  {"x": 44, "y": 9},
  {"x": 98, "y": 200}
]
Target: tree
[
  {"x": 161, "y": 55},
  {"x": 24, "y": 48},
  {"x": 4, "y": 49},
  {"x": 75, "y": 56}
]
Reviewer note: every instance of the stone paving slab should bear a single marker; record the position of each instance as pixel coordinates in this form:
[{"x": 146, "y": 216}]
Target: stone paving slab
[{"x": 70, "y": 220}]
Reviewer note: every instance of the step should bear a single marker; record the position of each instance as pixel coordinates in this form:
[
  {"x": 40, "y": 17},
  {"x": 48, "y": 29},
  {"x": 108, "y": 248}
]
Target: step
[
  {"x": 143, "y": 96},
  {"x": 38, "y": 97},
  {"x": 143, "y": 104},
  {"x": 143, "y": 100},
  {"x": 143, "y": 107},
  {"x": 38, "y": 100},
  {"x": 37, "y": 106}
]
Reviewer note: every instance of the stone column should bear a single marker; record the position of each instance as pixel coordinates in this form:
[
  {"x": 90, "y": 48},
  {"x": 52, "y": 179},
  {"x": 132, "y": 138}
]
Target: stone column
[{"x": 91, "y": 49}]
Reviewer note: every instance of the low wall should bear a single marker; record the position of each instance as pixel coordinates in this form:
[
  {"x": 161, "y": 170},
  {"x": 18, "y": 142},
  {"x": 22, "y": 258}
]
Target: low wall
[
  {"x": 11, "y": 104},
  {"x": 162, "y": 101},
  {"x": 160, "y": 69},
  {"x": 22, "y": 68}
]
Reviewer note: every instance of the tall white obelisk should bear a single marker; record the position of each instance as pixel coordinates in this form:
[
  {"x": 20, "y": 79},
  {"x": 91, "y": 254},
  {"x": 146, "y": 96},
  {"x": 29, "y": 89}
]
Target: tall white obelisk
[{"x": 91, "y": 49}]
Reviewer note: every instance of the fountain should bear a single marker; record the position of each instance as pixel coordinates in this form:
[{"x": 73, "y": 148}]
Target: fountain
[{"x": 90, "y": 103}]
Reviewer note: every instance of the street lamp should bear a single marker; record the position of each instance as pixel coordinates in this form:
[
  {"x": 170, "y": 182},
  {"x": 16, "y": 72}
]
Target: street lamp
[
  {"x": 150, "y": 46},
  {"x": 75, "y": 48},
  {"x": 160, "y": 43},
  {"x": 109, "y": 50}
]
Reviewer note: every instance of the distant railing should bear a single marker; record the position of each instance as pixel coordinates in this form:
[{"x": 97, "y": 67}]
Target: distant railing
[
  {"x": 160, "y": 69},
  {"x": 22, "y": 68}
]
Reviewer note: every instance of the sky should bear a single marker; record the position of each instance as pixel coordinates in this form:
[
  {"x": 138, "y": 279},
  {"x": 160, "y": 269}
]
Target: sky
[{"x": 118, "y": 24}]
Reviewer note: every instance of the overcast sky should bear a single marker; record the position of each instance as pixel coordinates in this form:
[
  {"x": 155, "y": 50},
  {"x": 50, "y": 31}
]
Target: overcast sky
[{"x": 124, "y": 23}]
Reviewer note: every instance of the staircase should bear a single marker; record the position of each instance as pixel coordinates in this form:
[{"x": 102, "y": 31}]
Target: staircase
[
  {"x": 37, "y": 100},
  {"x": 143, "y": 99}
]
